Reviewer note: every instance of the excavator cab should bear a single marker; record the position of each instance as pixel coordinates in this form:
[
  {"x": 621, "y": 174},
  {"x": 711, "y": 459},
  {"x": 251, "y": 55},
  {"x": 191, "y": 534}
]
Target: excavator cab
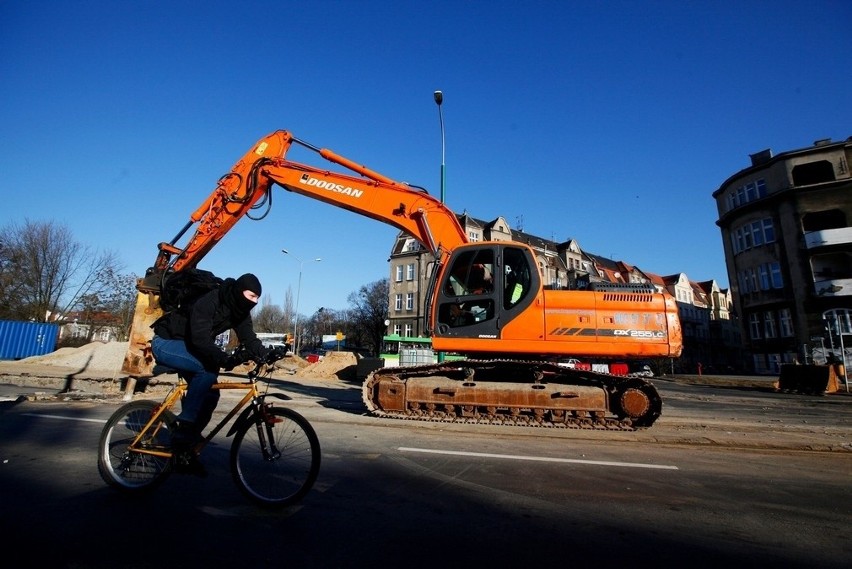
[{"x": 483, "y": 287}]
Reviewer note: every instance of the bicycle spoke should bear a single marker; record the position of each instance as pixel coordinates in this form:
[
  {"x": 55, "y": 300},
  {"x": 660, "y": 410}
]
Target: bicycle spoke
[
  {"x": 277, "y": 462},
  {"x": 134, "y": 467}
]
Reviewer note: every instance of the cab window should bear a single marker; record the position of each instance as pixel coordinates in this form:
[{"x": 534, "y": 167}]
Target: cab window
[
  {"x": 516, "y": 280},
  {"x": 472, "y": 273}
]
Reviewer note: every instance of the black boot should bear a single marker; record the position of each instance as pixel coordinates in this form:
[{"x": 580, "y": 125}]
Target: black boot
[{"x": 184, "y": 458}]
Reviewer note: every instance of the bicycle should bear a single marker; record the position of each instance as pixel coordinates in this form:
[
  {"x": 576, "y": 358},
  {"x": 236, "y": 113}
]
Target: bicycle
[{"x": 274, "y": 457}]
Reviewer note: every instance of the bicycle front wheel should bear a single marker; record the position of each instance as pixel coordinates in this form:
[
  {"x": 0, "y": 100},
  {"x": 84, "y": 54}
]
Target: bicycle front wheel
[
  {"x": 144, "y": 465},
  {"x": 276, "y": 461}
]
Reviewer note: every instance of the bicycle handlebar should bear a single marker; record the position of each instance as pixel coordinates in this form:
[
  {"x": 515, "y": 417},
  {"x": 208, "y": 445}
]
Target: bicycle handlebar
[{"x": 241, "y": 355}]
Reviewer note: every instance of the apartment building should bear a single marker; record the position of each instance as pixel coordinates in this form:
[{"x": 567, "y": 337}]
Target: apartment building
[
  {"x": 785, "y": 224},
  {"x": 710, "y": 338}
]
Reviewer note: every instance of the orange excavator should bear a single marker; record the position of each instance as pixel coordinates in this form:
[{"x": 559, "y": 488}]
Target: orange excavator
[{"x": 486, "y": 301}]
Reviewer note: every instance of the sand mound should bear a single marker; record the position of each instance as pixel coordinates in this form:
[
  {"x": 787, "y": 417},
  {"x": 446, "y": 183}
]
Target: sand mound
[
  {"x": 330, "y": 367},
  {"x": 96, "y": 356}
]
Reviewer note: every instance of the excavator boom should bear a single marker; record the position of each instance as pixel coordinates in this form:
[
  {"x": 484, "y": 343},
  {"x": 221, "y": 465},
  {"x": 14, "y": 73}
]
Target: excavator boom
[{"x": 372, "y": 195}]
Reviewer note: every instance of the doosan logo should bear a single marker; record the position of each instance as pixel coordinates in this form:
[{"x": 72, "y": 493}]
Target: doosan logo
[{"x": 307, "y": 180}]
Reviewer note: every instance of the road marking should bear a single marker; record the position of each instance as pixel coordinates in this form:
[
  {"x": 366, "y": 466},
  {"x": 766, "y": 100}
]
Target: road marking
[
  {"x": 65, "y": 418},
  {"x": 540, "y": 458}
]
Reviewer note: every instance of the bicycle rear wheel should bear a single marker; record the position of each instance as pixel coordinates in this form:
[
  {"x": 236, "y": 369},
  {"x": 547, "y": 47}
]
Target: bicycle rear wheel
[
  {"x": 131, "y": 470},
  {"x": 275, "y": 463}
]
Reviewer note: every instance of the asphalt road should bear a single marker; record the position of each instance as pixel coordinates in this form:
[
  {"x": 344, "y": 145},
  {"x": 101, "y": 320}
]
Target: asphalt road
[{"x": 726, "y": 475}]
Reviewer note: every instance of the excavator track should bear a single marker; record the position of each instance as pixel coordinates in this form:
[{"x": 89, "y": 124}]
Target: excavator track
[{"x": 512, "y": 392}]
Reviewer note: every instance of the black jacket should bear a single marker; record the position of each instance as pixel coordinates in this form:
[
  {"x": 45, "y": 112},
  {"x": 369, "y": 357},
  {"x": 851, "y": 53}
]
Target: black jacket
[{"x": 210, "y": 315}]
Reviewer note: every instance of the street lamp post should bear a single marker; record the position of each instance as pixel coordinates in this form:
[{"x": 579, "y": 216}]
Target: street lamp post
[
  {"x": 439, "y": 98},
  {"x": 296, "y": 337}
]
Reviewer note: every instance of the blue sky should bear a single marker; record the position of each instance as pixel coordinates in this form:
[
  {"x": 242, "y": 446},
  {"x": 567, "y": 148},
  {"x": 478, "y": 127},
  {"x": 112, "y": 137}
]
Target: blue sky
[{"x": 611, "y": 123}]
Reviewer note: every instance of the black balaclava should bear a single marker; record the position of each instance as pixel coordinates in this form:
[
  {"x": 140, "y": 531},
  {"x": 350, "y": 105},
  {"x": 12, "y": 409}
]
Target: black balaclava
[{"x": 246, "y": 282}]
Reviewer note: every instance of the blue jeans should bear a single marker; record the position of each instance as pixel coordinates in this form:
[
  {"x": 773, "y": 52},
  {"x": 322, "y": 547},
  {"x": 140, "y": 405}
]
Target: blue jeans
[{"x": 200, "y": 401}]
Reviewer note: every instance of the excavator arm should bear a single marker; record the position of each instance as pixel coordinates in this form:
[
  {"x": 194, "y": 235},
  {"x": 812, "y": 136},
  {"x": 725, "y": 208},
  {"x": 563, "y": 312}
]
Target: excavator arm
[
  {"x": 372, "y": 195},
  {"x": 247, "y": 187}
]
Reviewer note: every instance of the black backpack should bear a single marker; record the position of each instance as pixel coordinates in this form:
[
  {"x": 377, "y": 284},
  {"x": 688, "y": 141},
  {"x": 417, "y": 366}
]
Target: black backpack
[{"x": 179, "y": 290}]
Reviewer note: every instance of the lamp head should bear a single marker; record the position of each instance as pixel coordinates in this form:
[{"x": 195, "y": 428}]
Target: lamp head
[{"x": 439, "y": 97}]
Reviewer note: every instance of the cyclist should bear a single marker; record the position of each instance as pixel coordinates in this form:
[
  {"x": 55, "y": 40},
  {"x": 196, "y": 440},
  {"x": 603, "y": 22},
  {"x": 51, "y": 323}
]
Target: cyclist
[{"x": 187, "y": 345}]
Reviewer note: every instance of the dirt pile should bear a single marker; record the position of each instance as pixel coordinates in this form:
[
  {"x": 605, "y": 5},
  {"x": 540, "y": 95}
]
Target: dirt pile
[
  {"x": 94, "y": 357},
  {"x": 334, "y": 365}
]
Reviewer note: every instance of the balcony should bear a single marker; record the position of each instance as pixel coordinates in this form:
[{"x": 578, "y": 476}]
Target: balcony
[
  {"x": 835, "y": 287},
  {"x": 826, "y": 237}
]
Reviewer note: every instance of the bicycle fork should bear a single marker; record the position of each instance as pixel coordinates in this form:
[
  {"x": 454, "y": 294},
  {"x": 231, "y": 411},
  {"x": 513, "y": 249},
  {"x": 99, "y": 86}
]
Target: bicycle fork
[{"x": 264, "y": 422}]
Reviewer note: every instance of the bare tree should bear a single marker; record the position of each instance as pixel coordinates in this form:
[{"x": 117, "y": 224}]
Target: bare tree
[
  {"x": 44, "y": 272},
  {"x": 368, "y": 312},
  {"x": 8, "y": 283},
  {"x": 325, "y": 322},
  {"x": 119, "y": 300},
  {"x": 269, "y": 317},
  {"x": 289, "y": 310}
]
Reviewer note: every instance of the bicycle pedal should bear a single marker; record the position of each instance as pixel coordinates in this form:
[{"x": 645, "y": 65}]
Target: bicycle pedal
[{"x": 187, "y": 463}]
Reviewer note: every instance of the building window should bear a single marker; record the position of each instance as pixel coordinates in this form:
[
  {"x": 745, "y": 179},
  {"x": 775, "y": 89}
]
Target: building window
[
  {"x": 838, "y": 321},
  {"x": 396, "y": 329},
  {"x": 768, "y": 231},
  {"x": 398, "y": 273},
  {"x": 754, "y": 326},
  {"x": 786, "y": 320},
  {"x": 410, "y": 245},
  {"x": 774, "y": 362},
  {"x": 769, "y": 325},
  {"x": 408, "y": 330},
  {"x": 743, "y": 282},
  {"x": 764, "y": 276},
  {"x": 752, "y": 277},
  {"x": 473, "y": 236},
  {"x": 409, "y": 276},
  {"x": 775, "y": 272},
  {"x": 757, "y": 233},
  {"x": 753, "y": 234},
  {"x": 747, "y": 242},
  {"x": 759, "y": 362},
  {"x": 409, "y": 301},
  {"x": 746, "y": 193},
  {"x": 397, "y": 302}
]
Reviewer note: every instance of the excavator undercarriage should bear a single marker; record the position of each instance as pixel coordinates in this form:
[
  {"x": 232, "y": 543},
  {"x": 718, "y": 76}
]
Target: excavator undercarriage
[{"x": 509, "y": 392}]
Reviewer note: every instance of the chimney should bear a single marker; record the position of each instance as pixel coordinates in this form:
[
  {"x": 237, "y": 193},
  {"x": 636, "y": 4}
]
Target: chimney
[{"x": 761, "y": 157}]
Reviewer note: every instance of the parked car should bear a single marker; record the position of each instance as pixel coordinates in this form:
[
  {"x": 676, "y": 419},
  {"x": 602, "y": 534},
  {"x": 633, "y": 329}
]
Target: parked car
[{"x": 643, "y": 370}]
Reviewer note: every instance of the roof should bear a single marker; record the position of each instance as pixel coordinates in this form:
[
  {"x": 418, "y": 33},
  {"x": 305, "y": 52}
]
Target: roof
[{"x": 762, "y": 160}]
